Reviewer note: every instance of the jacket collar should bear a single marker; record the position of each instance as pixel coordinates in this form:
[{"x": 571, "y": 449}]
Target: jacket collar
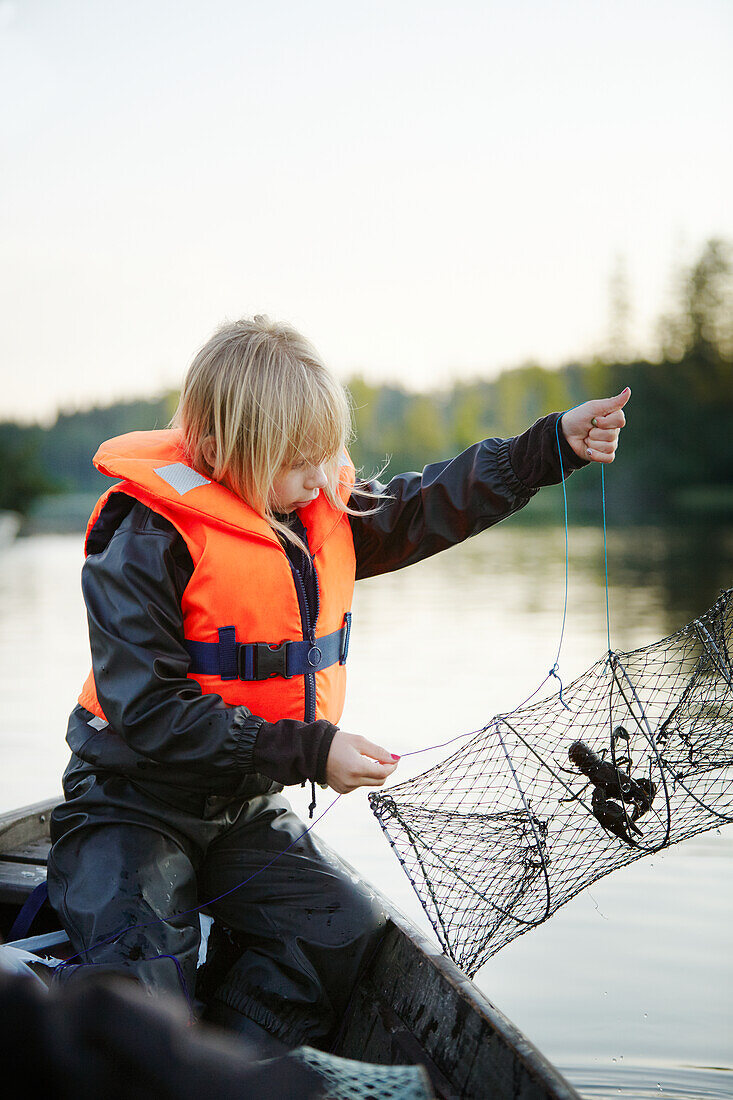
[{"x": 156, "y": 463}]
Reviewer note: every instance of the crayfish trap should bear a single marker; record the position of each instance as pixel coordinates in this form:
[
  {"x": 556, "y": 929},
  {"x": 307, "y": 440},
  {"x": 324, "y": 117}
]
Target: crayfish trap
[{"x": 634, "y": 755}]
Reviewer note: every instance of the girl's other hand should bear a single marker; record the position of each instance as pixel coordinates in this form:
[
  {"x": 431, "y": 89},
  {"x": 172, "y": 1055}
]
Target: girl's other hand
[
  {"x": 592, "y": 430},
  {"x": 355, "y": 762}
]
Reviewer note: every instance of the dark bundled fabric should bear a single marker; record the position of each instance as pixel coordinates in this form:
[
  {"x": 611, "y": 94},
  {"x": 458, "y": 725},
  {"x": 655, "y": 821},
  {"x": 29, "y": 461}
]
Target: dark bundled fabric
[{"x": 103, "y": 1037}]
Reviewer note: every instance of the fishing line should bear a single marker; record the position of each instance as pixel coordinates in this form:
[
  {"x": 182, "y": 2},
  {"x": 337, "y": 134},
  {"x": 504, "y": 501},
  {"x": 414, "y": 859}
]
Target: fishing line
[
  {"x": 605, "y": 560},
  {"x": 495, "y": 725},
  {"x": 473, "y": 816},
  {"x": 553, "y": 672}
]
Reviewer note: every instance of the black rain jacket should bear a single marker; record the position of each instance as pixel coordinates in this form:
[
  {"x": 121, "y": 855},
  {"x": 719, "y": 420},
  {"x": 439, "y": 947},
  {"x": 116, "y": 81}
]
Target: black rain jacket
[{"x": 162, "y": 728}]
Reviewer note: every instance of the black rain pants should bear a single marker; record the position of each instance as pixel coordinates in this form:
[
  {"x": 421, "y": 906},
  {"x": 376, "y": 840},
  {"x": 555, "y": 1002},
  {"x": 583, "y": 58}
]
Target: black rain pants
[{"x": 132, "y": 863}]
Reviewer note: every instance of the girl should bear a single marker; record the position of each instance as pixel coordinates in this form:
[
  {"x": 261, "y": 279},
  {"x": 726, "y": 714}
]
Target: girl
[{"x": 218, "y": 582}]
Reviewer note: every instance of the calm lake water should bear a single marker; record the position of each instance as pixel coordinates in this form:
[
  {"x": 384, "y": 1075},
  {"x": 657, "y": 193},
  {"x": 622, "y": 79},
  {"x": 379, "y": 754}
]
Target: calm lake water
[{"x": 629, "y": 988}]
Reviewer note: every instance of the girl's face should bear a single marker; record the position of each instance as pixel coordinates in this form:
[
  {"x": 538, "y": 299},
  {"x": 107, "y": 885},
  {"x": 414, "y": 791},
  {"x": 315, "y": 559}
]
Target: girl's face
[{"x": 295, "y": 486}]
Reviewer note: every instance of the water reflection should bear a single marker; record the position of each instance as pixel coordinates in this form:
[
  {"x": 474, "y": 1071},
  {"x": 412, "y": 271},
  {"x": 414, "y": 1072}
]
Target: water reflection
[
  {"x": 641, "y": 965},
  {"x": 688, "y": 567},
  {"x": 649, "y": 1083},
  {"x": 679, "y": 571}
]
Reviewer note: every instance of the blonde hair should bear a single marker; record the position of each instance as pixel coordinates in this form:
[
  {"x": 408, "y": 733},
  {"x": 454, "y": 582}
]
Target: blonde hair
[{"x": 257, "y": 399}]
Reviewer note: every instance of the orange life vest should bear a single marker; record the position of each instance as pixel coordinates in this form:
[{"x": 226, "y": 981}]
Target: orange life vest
[{"x": 242, "y": 601}]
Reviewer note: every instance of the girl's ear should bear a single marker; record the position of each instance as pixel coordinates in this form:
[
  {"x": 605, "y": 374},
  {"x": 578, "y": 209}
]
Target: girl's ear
[{"x": 208, "y": 450}]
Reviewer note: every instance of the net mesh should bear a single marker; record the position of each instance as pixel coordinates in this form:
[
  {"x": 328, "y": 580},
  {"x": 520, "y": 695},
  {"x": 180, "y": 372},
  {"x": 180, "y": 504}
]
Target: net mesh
[
  {"x": 344, "y": 1079},
  {"x": 634, "y": 755}
]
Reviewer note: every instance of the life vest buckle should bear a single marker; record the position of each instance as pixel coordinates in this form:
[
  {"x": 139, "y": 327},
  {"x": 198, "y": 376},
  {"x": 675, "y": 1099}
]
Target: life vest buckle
[{"x": 268, "y": 661}]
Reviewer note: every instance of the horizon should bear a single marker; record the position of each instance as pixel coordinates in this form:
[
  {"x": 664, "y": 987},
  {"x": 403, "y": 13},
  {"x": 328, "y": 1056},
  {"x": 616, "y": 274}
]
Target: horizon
[{"x": 386, "y": 383}]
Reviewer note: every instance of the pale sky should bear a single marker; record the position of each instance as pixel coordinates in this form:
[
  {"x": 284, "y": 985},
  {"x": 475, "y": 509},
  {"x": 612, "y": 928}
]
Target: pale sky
[{"x": 428, "y": 190}]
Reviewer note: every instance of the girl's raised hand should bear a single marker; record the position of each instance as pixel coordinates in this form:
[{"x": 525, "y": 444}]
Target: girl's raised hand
[
  {"x": 355, "y": 762},
  {"x": 592, "y": 429}
]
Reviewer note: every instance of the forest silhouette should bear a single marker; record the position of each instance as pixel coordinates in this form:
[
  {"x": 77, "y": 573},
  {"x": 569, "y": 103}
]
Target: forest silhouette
[{"x": 676, "y": 462}]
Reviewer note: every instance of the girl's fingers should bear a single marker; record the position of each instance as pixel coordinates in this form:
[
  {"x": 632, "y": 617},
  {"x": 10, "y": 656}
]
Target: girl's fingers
[
  {"x": 368, "y": 774},
  {"x": 592, "y": 429},
  {"x": 600, "y": 452},
  {"x": 615, "y": 419},
  {"x": 368, "y": 748},
  {"x": 602, "y": 446},
  {"x": 611, "y": 405},
  {"x": 353, "y": 762},
  {"x": 371, "y": 770},
  {"x": 600, "y": 435},
  {"x": 608, "y": 412}
]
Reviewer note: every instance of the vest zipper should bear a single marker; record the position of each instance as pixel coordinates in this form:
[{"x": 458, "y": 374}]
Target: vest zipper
[{"x": 309, "y": 629}]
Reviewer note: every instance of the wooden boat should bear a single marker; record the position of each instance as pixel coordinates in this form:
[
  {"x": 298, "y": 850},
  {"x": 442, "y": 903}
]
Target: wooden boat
[{"x": 412, "y": 1006}]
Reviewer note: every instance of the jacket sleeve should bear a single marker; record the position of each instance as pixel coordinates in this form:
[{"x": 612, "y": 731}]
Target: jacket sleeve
[
  {"x": 133, "y": 585},
  {"x": 421, "y": 514}
]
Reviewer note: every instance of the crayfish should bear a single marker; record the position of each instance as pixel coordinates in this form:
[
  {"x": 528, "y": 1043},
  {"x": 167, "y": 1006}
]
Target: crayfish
[{"x": 612, "y": 783}]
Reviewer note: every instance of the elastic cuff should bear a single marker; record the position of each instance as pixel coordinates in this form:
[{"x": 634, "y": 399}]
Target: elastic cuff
[
  {"x": 533, "y": 455},
  {"x": 323, "y": 750},
  {"x": 245, "y": 727},
  {"x": 514, "y": 483}
]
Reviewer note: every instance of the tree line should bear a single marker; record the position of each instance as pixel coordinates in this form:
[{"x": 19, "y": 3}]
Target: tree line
[{"x": 677, "y": 455}]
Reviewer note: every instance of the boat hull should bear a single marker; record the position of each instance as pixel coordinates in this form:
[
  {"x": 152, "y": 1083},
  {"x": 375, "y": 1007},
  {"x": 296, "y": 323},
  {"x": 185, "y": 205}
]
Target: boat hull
[{"x": 412, "y": 1005}]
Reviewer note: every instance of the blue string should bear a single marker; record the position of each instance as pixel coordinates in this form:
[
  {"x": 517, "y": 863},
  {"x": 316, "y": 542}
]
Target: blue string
[
  {"x": 553, "y": 671},
  {"x": 565, "y": 513},
  {"x": 605, "y": 561}
]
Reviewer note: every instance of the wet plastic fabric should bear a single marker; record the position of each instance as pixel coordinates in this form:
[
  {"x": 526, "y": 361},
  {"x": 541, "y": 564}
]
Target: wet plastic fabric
[
  {"x": 131, "y": 863},
  {"x": 161, "y": 726},
  {"x": 242, "y": 579}
]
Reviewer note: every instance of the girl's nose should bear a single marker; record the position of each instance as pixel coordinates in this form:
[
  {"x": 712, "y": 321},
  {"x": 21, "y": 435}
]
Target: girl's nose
[{"x": 317, "y": 478}]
